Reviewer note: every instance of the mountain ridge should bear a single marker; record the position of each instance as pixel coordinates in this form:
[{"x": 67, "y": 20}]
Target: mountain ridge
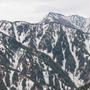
[{"x": 73, "y": 21}]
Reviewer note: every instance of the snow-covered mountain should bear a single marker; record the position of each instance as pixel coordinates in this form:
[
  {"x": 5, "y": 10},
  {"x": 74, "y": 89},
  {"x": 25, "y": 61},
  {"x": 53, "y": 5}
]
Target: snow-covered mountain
[
  {"x": 73, "y": 21},
  {"x": 80, "y": 22},
  {"x": 53, "y": 54}
]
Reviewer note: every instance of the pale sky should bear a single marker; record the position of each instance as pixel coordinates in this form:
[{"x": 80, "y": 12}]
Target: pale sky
[{"x": 34, "y": 10}]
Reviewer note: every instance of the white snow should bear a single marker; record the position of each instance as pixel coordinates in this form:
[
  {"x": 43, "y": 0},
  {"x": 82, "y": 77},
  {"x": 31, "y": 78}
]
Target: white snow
[
  {"x": 64, "y": 61},
  {"x": 46, "y": 76},
  {"x": 78, "y": 82},
  {"x": 5, "y": 32},
  {"x": 87, "y": 43},
  {"x": 60, "y": 85},
  {"x": 20, "y": 85},
  {"x": 29, "y": 84},
  {"x": 16, "y": 57}
]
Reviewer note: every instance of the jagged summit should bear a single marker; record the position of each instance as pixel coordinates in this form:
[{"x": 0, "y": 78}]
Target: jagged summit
[
  {"x": 73, "y": 21},
  {"x": 58, "y": 18},
  {"x": 53, "y": 13}
]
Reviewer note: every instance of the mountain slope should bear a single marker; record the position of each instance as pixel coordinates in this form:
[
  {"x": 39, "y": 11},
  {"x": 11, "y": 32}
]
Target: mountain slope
[{"x": 50, "y": 55}]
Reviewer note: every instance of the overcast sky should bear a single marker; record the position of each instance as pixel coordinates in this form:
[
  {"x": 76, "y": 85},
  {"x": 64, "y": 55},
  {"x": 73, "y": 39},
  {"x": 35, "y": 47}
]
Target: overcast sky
[{"x": 35, "y": 10}]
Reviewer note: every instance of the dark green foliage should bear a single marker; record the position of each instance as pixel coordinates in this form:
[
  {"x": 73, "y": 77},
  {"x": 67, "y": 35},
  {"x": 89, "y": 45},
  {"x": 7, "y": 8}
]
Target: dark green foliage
[
  {"x": 13, "y": 88},
  {"x": 26, "y": 27},
  {"x": 39, "y": 33},
  {"x": 51, "y": 79},
  {"x": 36, "y": 73},
  {"x": 85, "y": 87},
  {"x": 57, "y": 51},
  {"x": 20, "y": 29},
  {"x": 70, "y": 62},
  {"x": 4, "y": 61},
  {"x": 7, "y": 79},
  {"x": 13, "y": 44},
  {"x": 24, "y": 71},
  {"x": 46, "y": 45},
  {"x": 15, "y": 78},
  {"x": 2, "y": 85},
  {"x": 62, "y": 44},
  {"x": 24, "y": 83},
  {"x": 57, "y": 84}
]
